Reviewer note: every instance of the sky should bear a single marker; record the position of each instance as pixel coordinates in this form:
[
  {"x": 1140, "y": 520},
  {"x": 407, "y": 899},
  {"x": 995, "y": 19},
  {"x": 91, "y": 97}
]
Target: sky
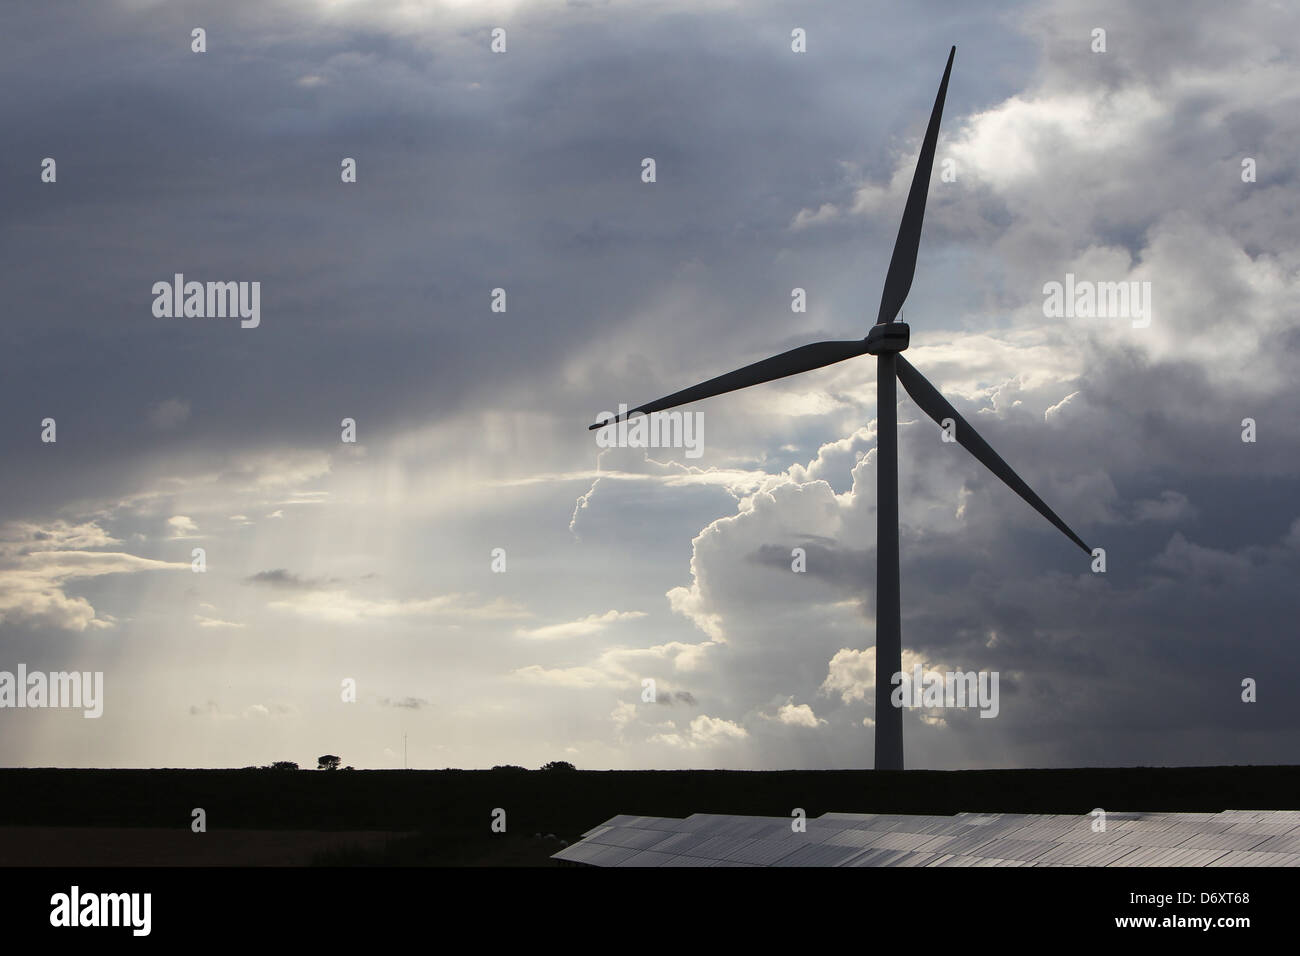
[{"x": 370, "y": 569}]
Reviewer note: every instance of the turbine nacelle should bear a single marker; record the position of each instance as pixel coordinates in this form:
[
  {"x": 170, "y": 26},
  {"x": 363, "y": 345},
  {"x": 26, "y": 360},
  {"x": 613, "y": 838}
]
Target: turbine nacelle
[{"x": 888, "y": 337}]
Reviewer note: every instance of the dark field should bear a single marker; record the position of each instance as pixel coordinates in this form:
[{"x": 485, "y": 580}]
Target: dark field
[{"x": 443, "y": 817}]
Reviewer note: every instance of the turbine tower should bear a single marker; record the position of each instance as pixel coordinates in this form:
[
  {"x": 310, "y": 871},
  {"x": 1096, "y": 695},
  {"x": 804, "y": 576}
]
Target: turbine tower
[{"x": 885, "y": 340}]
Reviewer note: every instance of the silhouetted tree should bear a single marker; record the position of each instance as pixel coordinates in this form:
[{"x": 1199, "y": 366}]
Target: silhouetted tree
[
  {"x": 284, "y": 765},
  {"x": 559, "y": 765},
  {"x": 509, "y": 766},
  {"x": 327, "y": 762}
]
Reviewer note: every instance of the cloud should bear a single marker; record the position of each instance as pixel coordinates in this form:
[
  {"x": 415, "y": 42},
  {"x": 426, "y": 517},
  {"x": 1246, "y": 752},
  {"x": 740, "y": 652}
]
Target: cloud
[
  {"x": 169, "y": 413},
  {"x": 704, "y": 731},
  {"x": 181, "y": 526},
  {"x": 580, "y": 505},
  {"x": 622, "y": 715},
  {"x": 826, "y": 212},
  {"x": 212, "y": 710},
  {"x": 620, "y": 667},
  {"x": 1197, "y": 562},
  {"x": 1168, "y": 506},
  {"x": 405, "y": 703},
  {"x": 1122, "y": 166},
  {"x": 17, "y": 537},
  {"x": 34, "y": 572},
  {"x": 584, "y": 627},
  {"x": 1061, "y": 409},
  {"x": 852, "y": 675},
  {"x": 452, "y": 609},
  {"x": 286, "y": 580},
  {"x": 216, "y": 623},
  {"x": 797, "y": 715},
  {"x": 680, "y": 697},
  {"x": 571, "y": 677}
]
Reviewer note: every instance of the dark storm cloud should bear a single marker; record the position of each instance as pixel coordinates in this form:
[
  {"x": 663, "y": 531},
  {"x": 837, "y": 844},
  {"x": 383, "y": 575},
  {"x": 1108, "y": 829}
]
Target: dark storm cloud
[
  {"x": 847, "y": 570},
  {"x": 406, "y": 703},
  {"x": 522, "y": 172},
  {"x": 678, "y": 697},
  {"x": 1142, "y": 452},
  {"x": 286, "y": 580},
  {"x": 475, "y": 172}
]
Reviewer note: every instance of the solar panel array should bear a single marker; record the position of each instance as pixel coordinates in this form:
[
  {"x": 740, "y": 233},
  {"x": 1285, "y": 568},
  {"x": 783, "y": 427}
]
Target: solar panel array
[{"x": 1228, "y": 838}]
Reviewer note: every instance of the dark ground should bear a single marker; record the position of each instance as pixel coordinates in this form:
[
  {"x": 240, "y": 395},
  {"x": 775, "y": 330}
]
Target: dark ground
[{"x": 443, "y": 817}]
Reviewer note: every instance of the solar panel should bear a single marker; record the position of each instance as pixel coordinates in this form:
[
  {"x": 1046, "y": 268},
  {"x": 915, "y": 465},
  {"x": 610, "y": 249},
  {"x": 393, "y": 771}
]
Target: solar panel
[
  {"x": 1252, "y": 858},
  {"x": 821, "y": 854},
  {"x": 1143, "y": 826},
  {"x": 1173, "y": 836},
  {"x": 767, "y": 852},
  {"x": 1235, "y": 815},
  {"x": 938, "y": 825},
  {"x": 753, "y": 828},
  {"x": 1229, "y": 838},
  {"x": 634, "y": 837},
  {"x": 701, "y": 821},
  {"x": 1281, "y": 844},
  {"x": 1168, "y": 856},
  {"x": 958, "y": 845},
  {"x": 1084, "y": 854},
  {"x": 885, "y": 858},
  {"x": 1009, "y": 849},
  {"x": 610, "y": 855},
  {"x": 858, "y": 838},
  {"x": 647, "y": 858},
  {"x": 1269, "y": 827},
  {"x": 677, "y": 842},
  {"x": 622, "y": 820},
  {"x": 718, "y": 847},
  {"x": 818, "y": 832},
  {"x": 690, "y": 861},
  {"x": 577, "y": 853},
  {"x": 899, "y": 840},
  {"x": 1227, "y": 841},
  {"x": 889, "y": 822}
]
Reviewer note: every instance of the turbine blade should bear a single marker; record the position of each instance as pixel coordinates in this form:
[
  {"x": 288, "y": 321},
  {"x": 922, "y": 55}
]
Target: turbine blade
[
  {"x": 902, "y": 266},
  {"x": 937, "y": 407},
  {"x": 803, "y": 359}
]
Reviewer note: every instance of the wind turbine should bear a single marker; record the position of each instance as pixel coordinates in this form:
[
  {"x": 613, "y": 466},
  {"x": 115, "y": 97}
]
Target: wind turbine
[{"x": 885, "y": 340}]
